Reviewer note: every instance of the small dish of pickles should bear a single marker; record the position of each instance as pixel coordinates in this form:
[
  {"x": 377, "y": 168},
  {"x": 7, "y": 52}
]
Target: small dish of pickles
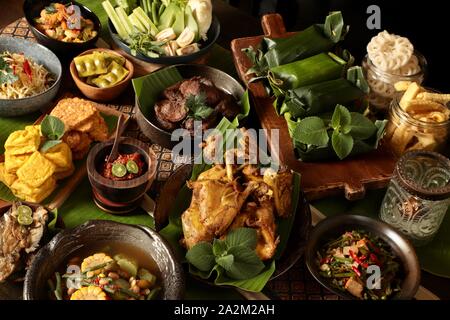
[{"x": 101, "y": 74}]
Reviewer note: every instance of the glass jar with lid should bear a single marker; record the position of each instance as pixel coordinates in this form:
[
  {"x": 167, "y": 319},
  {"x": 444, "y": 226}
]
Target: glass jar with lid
[
  {"x": 406, "y": 133},
  {"x": 382, "y": 83},
  {"x": 418, "y": 195}
]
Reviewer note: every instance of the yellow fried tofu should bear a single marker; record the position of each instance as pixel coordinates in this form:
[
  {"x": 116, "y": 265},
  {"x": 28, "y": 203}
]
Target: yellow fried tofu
[
  {"x": 61, "y": 156},
  {"x": 6, "y": 177},
  {"x": 23, "y": 141},
  {"x": 34, "y": 129},
  {"x": 65, "y": 174},
  {"x": 24, "y": 191},
  {"x": 36, "y": 170},
  {"x": 14, "y": 162}
]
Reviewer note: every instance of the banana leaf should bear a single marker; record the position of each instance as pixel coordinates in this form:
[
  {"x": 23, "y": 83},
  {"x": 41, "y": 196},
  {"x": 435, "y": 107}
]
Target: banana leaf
[
  {"x": 149, "y": 87},
  {"x": 433, "y": 257},
  {"x": 173, "y": 231},
  {"x": 322, "y": 97},
  {"x": 313, "y": 40}
]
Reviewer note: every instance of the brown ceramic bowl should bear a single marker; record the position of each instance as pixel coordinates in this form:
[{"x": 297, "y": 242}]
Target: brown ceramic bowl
[
  {"x": 102, "y": 94},
  {"x": 332, "y": 228},
  {"x": 121, "y": 195},
  {"x": 68, "y": 242}
]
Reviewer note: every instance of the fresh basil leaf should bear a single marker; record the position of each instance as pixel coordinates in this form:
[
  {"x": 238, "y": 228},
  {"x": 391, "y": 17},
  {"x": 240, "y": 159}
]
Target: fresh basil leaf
[
  {"x": 361, "y": 127},
  {"x": 201, "y": 256},
  {"x": 246, "y": 263},
  {"x": 226, "y": 261},
  {"x": 342, "y": 144},
  {"x": 219, "y": 247},
  {"x": 311, "y": 131},
  {"x": 341, "y": 117},
  {"x": 49, "y": 144},
  {"x": 52, "y": 128},
  {"x": 6, "y": 72},
  {"x": 246, "y": 237}
]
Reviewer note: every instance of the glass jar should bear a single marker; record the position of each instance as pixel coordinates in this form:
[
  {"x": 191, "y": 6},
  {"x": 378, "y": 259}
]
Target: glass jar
[
  {"x": 405, "y": 133},
  {"x": 381, "y": 83},
  {"x": 418, "y": 195}
]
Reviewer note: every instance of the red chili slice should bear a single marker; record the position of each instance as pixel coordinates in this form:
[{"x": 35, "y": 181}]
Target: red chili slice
[
  {"x": 355, "y": 269},
  {"x": 27, "y": 70}
]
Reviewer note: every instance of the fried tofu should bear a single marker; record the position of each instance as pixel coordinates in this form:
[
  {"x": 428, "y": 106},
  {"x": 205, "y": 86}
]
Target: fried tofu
[
  {"x": 24, "y": 191},
  {"x": 36, "y": 170},
  {"x": 23, "y": 142},
  {"x": 14, "y": 162},
  {"x": 5, "y": 177},
  {"x": 61, "y": 156}
]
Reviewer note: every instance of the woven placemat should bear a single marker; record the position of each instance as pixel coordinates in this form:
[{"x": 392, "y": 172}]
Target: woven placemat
[{"x": 296, "y": 284}]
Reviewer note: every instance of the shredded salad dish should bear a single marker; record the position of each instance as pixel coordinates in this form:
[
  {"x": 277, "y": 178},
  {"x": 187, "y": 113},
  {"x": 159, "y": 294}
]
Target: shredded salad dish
[
  {"x": 21, "y": 77},
  {"x": 351, "y": 263}
]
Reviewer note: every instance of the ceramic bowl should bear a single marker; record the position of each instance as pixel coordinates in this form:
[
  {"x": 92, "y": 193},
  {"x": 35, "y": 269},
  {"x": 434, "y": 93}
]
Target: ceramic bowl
[
  {"x": 42, "y": 56},
  {"x": 212, "y": 34},
  {"x": 102, "y": 94},
  {"x": 334, "y": 227},
  {"x": 32, "y": 10},
  {"x": 67, "y": 242}
]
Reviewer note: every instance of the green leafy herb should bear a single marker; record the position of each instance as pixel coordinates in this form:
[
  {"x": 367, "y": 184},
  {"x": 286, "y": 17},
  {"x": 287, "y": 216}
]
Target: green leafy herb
[
  {"x": 236, "y": 255},
  {"x": 361, "y": 127},
  {"x": 52, "y": 128},
  {"x": 341, "y": 118},
  {"x": 311, "y": 130},
  {"x": 197, "y": 106},
  {"x": 201, "y": 256},
  {"x": 342, "y": 144},
  {"x": 6, "y": 72},
  {"x": 51, "y": 8},
  {"x": 46, "y": 145}
]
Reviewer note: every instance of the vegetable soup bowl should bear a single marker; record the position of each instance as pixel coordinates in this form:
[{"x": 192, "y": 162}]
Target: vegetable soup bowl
[
  {"x": 120, "y": 196},
  {"x": 32, "y": 10},
  {"x": 42, "y": 56},
  {"x": 68, "y": 242},
  {"x": 333, "y": 227},
  {"x": 102, "y": 94}
]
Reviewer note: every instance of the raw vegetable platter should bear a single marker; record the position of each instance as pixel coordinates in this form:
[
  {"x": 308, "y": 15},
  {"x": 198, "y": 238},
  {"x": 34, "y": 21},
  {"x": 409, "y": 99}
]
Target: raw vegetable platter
[{"x": 350, "y": 176}]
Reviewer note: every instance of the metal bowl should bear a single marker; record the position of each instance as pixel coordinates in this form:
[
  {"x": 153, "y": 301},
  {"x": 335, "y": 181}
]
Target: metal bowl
[
  {"x": 67, "y": 242},
  {"x": 147, "y": 120},
  {"x": 32, "y": 9},
  {"x": 41, "y": 55},
  {"x": 332, "y": 228},
  {"x": 212, "y": 34}
]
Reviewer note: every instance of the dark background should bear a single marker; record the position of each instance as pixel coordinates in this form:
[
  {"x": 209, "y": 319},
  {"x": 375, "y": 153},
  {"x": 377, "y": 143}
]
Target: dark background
[{"x": 425, "y": 23}]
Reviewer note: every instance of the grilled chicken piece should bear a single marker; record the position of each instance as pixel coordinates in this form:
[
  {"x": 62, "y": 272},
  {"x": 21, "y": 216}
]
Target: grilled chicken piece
[
  {"x": 262, "y": 219},
  {"x": 281, "y": 185},
  {"x": 16, "y": 239}
]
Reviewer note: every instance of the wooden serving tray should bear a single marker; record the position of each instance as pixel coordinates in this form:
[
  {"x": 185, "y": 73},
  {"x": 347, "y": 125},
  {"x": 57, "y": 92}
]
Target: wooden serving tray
[
  {"x": 70, "y": 183},
  {"x": 319, "y": 179}
]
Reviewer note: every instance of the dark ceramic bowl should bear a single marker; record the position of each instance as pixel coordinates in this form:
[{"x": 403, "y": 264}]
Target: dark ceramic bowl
[
  {"x": 205, "y": 46},
  {"x": 147, "y": 121},
  {"x": 42, "y": 56},
  {"x": 334, "y": 227},
  {"x": 67, "y": 242},
  {"x": 32, "y": 9},
  {"x": 120, "y": 193}
]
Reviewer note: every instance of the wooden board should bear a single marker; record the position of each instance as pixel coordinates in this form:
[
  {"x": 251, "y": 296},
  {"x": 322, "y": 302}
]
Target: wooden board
[
  {"x": 319, "y": 179},
  {"x": 71, "y": 182}
]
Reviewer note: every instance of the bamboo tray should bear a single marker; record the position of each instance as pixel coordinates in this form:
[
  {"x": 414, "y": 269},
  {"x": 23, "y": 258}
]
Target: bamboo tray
[{"x": 319, "y": 179}]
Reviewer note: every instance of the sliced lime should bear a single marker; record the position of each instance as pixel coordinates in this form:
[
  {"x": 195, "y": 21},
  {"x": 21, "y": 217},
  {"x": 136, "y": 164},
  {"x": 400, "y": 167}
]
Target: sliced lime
[
  {"x": 119, "y": 170},
  {"x": 24, "y": 210},
  {"x": 25, "y": 219},
  {"x": 132, "y": 167}
]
